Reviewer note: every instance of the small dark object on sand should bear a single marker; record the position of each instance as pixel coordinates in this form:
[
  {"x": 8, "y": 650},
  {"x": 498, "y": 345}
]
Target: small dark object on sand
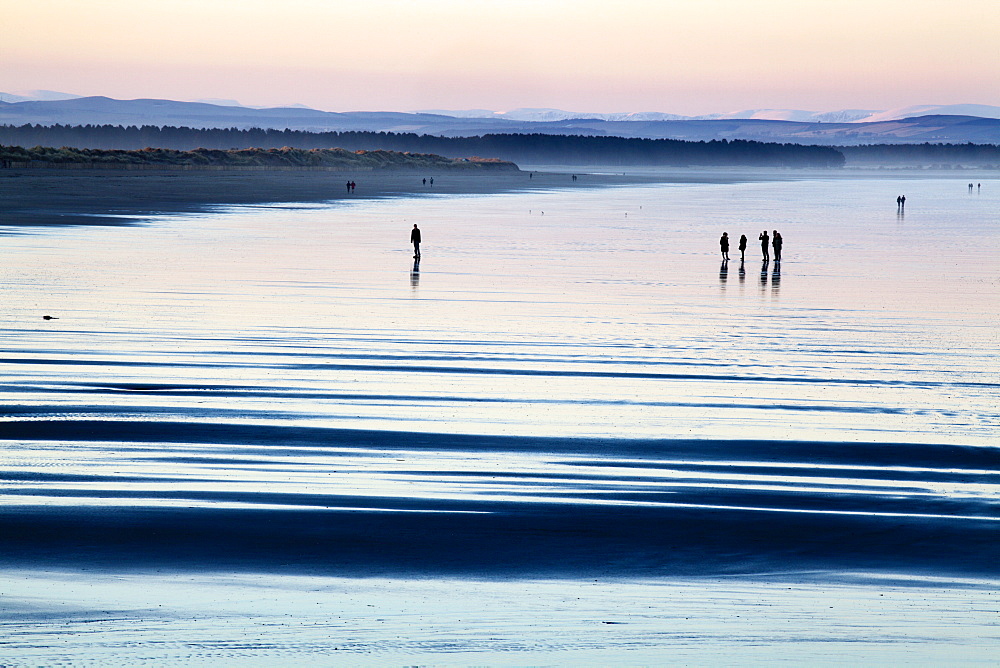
[{"x": 49, "y": 317}]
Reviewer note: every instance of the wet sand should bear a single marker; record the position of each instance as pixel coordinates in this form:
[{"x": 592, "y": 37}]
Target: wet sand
[
  {"x": 115, "y": 197},
  {"x": 267, "y": 436},
  {"x": 56, "y": 196}
]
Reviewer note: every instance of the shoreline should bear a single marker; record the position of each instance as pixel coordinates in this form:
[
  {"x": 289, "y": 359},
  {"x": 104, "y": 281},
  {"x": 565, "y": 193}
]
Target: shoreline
[{"x": 38, "y": 197}]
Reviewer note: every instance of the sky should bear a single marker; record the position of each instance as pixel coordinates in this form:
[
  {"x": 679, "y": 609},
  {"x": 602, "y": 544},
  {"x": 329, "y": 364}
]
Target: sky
[{"x": 678, "y": 56}]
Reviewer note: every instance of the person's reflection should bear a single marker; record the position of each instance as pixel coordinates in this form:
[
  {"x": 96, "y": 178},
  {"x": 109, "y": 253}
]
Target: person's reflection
[
  {"x": 776, "y": 278},
  {"x": 763, "y": 272},
  {"x": 900, "y": 215},
  {"x": 415, "y": 274},
  {"x": 743, "y": 272},
  {"x": 724, "y": 273}
]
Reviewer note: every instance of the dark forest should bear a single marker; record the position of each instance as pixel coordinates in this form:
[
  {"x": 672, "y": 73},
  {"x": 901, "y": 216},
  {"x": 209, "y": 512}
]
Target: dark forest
[{"x": 523, "y": 148}]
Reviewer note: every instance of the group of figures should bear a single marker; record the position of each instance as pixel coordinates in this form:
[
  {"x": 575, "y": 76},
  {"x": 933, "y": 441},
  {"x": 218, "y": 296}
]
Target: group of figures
[
  {"x": 774, "y": 241},
  {"x": 766, "y": 242}
]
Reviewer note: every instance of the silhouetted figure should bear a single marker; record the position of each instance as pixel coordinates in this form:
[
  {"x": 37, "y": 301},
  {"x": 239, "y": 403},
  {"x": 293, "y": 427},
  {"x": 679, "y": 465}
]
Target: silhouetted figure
[
  {"x": 979, "y": 187},
  {"x": 743, "y": 247},
  {"x": 724, "y": 245},
  {"x": 776, "y": 242},
  {"x": 425, "y": 182},
  {"x": 348, "y": 187},
  {"x": 574, "y": 177},
  {"x": 764, "y": 241},
  {"x": 902, "y": 201},
  {"x": 970, "y": 187},
  {"x": 432, "y": 180},
  {"x": 415, "y": 240},
  {"x": 899, "y": 202}
]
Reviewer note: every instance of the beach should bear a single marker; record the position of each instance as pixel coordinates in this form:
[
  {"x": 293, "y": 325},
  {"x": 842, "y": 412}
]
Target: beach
[
  {"x": 54, "y": 196},
  {"x": 77, "y": 195},
  {"x": 255, "y": 430}
]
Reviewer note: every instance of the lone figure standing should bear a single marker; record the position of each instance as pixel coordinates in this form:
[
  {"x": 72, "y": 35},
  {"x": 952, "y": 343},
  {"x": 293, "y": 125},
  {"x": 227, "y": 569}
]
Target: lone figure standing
[
  {"x": 415, "y": 240},
  {"x": 776, "y": 242},
  {"x": 764, "y": 239},
  {"x": 724, "y": 245},
  {"x": 743, "y": 247}
]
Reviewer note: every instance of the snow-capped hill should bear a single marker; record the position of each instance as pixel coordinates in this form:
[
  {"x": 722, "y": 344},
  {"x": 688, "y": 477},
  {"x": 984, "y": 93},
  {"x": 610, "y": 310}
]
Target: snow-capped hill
[
  {"x": 794, "y": 115},
  {"x": 554, "y": 115},
  {"x": 219, "y": 102},
  {"x": 533, "y": 115},
  {"x": 843, "y": 116},
  {"x": 540, "y": 115},
  {"x": 646, "y": 116},
  {"x": 760, "y": 115},
  {"x": 458, "y": 113},
  {"x": 36, "y": 96},
  {"x": 222, "y": 102},
  {"x": 544, "y": 115},
  {"x": 980, "y": 110}
]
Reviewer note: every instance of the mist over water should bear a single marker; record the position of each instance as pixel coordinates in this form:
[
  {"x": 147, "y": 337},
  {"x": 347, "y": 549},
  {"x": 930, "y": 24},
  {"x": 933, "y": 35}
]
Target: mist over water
[{"x": 570, "y": 384}]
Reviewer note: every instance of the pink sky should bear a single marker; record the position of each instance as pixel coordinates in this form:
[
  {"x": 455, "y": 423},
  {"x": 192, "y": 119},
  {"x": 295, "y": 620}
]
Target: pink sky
[{"x": 686, "y": 57}]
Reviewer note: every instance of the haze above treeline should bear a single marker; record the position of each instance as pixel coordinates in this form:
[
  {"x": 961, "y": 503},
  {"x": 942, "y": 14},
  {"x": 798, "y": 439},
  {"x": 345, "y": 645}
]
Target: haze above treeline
[
  {"x": 524, "y": 149},
  {"x": 941, "y": 124}
]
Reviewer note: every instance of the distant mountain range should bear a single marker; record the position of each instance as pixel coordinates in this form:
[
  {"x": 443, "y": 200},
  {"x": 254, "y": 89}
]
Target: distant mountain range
[
  {"x": 797, "y": 115},
  {"x": 36, "y": 96},
  {"x": 919, "y": 124}
]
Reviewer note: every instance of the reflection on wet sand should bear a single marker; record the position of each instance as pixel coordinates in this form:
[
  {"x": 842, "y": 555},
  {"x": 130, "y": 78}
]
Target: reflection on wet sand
[
  {"x": 255, "y": 394},
  {"x": 776, "y": 278},
  {"x": 415, "y": 273},
  {"x": 723, "y": 273}
]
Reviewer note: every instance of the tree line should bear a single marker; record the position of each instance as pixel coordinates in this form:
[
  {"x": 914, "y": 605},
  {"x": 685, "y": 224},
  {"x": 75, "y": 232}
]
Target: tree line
[
  {"x": 252, "y": 158},
  {"x": 525, "y": 148},
  {"x": 924, "y": 155}
]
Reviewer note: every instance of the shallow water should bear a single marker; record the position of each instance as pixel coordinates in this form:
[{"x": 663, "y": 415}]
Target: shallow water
[
  {"x": 244, "y": 620},
  {"x": 570, "y": 385}
]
